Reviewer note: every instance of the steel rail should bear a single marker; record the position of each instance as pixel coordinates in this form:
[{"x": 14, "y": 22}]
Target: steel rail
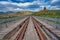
[
  {"x": 12, "y": 33},
  {"x": 40, "y": 33},
  {"x": 48, "y": 31},
  {"x": 22, "y": 32}
]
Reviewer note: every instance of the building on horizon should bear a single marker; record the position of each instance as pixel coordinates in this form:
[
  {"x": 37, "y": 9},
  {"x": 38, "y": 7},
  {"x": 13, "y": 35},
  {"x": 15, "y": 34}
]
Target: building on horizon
[{"x": 44, "y": 8}]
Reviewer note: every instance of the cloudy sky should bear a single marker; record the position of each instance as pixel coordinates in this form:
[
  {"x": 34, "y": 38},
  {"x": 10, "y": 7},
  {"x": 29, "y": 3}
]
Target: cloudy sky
[{"x": 31, "y": 5}]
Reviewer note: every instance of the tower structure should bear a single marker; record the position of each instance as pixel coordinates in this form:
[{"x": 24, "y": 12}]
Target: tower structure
[{"x": 44, "y": 8}]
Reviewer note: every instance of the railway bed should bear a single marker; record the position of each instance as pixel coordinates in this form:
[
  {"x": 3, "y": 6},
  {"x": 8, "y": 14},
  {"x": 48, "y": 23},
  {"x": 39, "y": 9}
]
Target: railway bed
[{"x": 32, "y": 29}]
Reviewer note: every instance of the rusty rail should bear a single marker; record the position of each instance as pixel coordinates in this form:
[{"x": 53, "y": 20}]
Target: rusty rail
[
  {"x": 12, "y": 33},
  {"x": 40, "y": 33},
  {"x": 22, "y": 32},
  {"x": 49, "y": 31}
]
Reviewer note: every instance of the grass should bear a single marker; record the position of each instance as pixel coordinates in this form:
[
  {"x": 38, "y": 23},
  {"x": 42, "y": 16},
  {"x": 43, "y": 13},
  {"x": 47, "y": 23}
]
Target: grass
[
  {"x": 10, "y": 16},
  {"x": 6, "y": 16},
  {"x": 48, "y": 13}
]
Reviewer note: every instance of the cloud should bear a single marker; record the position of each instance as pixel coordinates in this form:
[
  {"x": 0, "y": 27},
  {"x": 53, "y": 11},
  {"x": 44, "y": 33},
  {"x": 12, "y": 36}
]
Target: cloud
[
  {"x": 55, "y": 1},
  {"x": 18, "y": 9},
  {"x": 24, "y": 4},
  {"x": 3, "y": 2},
  {"x": 31, "y": 5},
  {"x": 12, "y": 5}
]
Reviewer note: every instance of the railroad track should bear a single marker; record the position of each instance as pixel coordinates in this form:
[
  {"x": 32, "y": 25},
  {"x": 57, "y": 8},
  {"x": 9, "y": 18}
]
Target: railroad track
[
  {"x": 22, "y": 32},
  {"x": 51, "y": 35},
  {"x": 39, "y": 32},
  {"x": 42, "y": 32},
  {"x": 12, "y": 33}
]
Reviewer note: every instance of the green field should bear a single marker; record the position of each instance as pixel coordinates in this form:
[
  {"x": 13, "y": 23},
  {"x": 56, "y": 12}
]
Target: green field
[
  {"x": 4, "y": 16},
  {"x": 43, "y": 13},
  {"x": 48, "y": 13}
]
